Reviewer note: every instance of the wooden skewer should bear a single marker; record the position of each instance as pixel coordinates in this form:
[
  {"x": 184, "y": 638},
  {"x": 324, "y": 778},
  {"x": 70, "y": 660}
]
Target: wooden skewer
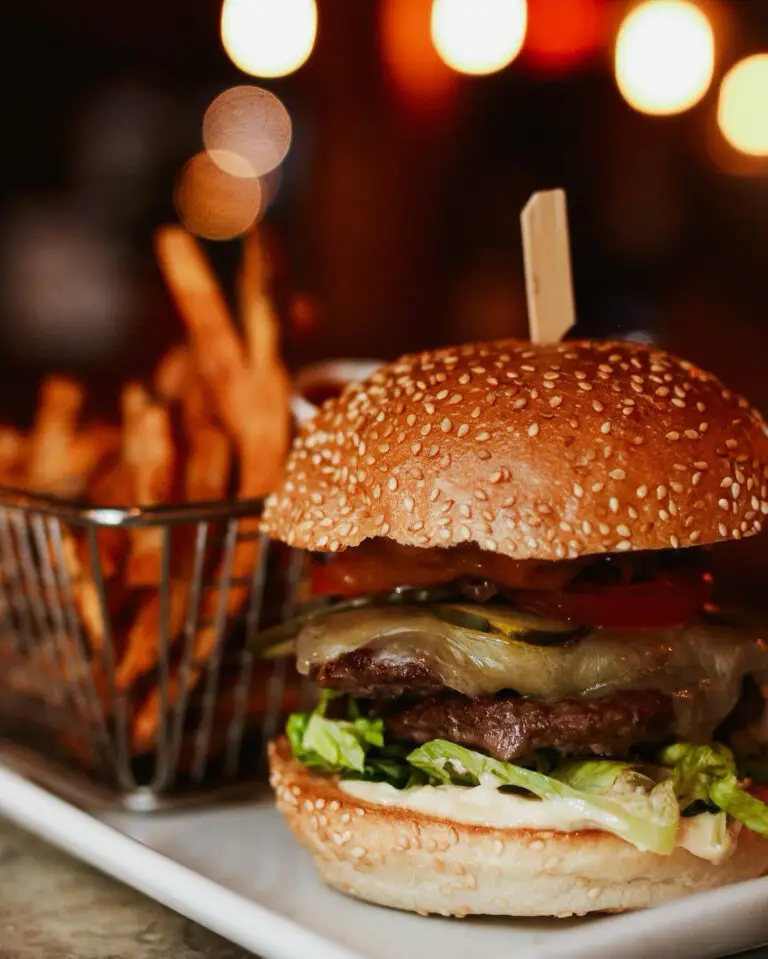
[{"x": 546, "y": 252}]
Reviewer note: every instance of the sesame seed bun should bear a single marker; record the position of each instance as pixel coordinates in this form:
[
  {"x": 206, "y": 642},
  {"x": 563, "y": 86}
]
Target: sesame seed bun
[
  {"x": 407, "y": 860},
  {"x": 536, "y": 452}
]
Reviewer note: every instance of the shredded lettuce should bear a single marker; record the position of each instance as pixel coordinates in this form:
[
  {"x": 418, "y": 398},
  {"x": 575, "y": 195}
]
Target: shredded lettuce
[
  {"x": 708, "y": 773},
  {"x": 333, "y": 745},
  {"x": 648, "y": 819}
]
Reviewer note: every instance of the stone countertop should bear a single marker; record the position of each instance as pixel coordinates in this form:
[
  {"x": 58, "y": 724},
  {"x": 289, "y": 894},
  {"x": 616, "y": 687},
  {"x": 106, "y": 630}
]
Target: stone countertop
[{"x": 54, "y": 907}]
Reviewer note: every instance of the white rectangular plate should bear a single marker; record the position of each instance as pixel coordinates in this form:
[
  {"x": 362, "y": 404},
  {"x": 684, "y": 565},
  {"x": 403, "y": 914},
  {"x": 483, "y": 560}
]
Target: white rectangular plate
[{"x": 237, "y": 870}]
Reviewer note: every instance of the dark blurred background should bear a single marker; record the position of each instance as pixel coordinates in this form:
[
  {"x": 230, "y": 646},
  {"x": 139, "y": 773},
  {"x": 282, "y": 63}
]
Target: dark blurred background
[{"x": 395, "y": 214}]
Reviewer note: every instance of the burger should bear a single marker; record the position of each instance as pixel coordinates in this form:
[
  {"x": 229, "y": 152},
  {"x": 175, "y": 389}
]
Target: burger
[{"x": 529, "y": 703}]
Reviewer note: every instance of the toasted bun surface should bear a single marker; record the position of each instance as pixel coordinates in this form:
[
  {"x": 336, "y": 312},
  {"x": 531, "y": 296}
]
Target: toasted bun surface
[
  {"x": 542, "y": 452},
  {"x": 406, "y": 860}
]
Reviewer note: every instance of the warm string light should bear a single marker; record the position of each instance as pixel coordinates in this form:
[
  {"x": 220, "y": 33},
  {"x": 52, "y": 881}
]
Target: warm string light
[
  {"x": 563, "y": 34},
  {"x": 478, "y": 36},
  {"x": 665, "y": 56},
  {"x": 742, "y": 109},
  {"x": 409, "y": 56},
  {"x": 268, "y": 38}
]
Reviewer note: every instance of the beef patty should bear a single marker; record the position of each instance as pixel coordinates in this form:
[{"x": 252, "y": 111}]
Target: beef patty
[
  {"x": 507, "y": 726},
  {"x": 416, "y": 708},
  {"x": 369, "y": 674}
]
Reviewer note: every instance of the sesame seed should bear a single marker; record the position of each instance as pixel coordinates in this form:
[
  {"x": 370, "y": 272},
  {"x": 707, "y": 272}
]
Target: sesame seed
[
  {"x": 676, "y": 487},
  {"x": 578, "y": 490},
  {"x": 463, "y": 429},
  {"x": 618, "y": 474},
  {"x": 585, "y": 386},
  {"x": 696, "y": 479},
  {"x": 442, "y": 395},
  {"x": 481, "y": 494},
  {"x": 533, "y": 429},
  {"x": 642, "y": 492},
  {"x": 623, "y": 530},
  {"x": 426, "y": 429},
  {"x": 735, "y": 490},
  {"x": 482, "y": 436},
  {"x": 520, "y": 402},
  {"x": 496, "y": 477},
  {"x": 456, "y": 398},
  {"x": 661, "y": 492},
  {"x": 613, "y": 504},
  {"x": 491, "y": 545},
  {"x": 723, "y": 503},
  {"x": 596, "y": 487},
  {"x": 674, "y": 542},
  {"x": 416, "y": 448},
  {"x": 446, "y": 426},
  {"x": 673, "y": 435},
  {"x": 679, "y": 403},
  {"x": 623, "y": 545},
  {"x": 555, "y": 401},
  {"x": 392, "y": 483},
  {"x": 463, "y": 532},
  {"x": 597, "y": 406}
]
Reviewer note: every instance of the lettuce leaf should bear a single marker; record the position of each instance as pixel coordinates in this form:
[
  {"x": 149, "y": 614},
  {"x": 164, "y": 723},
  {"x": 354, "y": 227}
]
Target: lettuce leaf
[
  {"x": 708, "y": 773},
  {"x": 647, "y": 819},
  {"x": 333, "y": 745}
]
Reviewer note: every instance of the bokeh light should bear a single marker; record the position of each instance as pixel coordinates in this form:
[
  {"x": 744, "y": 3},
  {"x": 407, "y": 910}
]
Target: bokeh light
[
  {"x": 214, "y": 204},
  {"x": 409, "y": 54},
  {"x": 247, "y": 130},
  {"x": 478, "y": 36},
  {"x": 742, "y": 110},
  {"x": 665, "y": 56},
  {"x": 268, "y": 38},
  {"x": 563, "y": 34}
]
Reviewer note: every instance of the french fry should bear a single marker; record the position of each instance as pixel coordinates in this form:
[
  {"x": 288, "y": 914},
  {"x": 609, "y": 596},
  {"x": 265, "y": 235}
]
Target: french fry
[
  {"x": 208, "y": 465},
  {"x": 87, "y": 450},
  {"x": 143, "y": 644},
  {"x": 149, "y": 453},
  {"x": 251, "y": 398},
  {"x": 58, "y": 411},
  {"x": 172, "y": 374},
  {"x": 84, "y": 592},
  {"x": 13, "y": 453}
]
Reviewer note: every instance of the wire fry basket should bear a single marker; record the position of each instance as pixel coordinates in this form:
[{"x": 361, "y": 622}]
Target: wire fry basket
[{"x": 142, "y": 697}]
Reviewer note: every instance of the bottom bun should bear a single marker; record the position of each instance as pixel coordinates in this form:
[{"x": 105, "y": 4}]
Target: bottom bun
[{"x": 407, "y": 860}]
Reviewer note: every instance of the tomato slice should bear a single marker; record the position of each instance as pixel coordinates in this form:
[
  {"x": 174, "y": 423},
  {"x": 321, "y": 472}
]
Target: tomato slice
[
  {"x": 378, "y": 567},
  {"x": 666, "y": 601}
]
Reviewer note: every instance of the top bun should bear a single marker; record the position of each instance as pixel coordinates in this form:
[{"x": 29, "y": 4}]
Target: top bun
[{"x": 537, "y": 452}]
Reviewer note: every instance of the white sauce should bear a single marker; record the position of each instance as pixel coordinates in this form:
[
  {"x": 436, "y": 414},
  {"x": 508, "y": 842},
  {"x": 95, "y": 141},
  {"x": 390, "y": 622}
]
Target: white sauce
[{"x": 705, "y": 836}]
